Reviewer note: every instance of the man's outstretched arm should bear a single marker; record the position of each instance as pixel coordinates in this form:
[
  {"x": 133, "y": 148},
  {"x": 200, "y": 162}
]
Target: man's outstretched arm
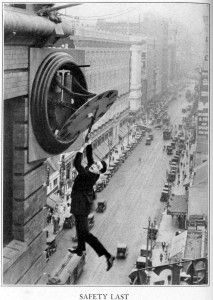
[
  {"x": 78, "y": 159},
  {"x": 89, "y": 155}
]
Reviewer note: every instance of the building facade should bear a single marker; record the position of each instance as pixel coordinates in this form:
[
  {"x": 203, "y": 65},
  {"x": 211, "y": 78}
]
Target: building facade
[
  {"x": 203, "y": 101},
  {"x": 112, "y": 61}
]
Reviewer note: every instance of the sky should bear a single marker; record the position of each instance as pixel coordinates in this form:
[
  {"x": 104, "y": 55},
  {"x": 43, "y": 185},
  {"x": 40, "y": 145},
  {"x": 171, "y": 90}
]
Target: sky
[{"x": 190, "y": 14}]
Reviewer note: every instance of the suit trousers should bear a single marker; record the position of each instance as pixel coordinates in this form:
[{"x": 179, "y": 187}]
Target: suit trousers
[{"x": 84, "y": 236}]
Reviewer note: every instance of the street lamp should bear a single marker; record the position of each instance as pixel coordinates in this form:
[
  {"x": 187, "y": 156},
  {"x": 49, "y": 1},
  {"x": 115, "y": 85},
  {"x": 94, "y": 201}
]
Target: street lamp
[
  {"x": 62, "y": 173},
  {"x": 147, "y": 242},
  {"x": 48, "y": 176}
]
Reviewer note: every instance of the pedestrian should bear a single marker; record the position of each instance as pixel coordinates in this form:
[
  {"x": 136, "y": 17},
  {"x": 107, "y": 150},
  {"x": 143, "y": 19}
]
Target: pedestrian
[
  {"x": 82, "y": 198},
  {"x": 178, "y": 183},
  {"x": 161, "y": 257},
  {"x": 181, "y": 164},
  {"x": 139, "y": 161},
  {"x": 163, "y": 245},
  {"x": 166, "y": 247}
]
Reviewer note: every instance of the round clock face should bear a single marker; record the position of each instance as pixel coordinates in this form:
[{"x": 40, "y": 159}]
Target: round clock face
[{"x": 61, "y": 104}]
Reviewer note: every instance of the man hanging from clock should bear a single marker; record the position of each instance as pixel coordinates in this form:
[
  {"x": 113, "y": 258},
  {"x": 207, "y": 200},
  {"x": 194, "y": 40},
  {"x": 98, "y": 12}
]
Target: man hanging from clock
[{"x": 82, "y": 197}]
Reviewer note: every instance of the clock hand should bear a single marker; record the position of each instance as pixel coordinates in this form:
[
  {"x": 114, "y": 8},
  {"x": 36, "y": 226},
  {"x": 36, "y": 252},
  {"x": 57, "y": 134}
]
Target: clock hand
[{"x": 73, "y": 94}]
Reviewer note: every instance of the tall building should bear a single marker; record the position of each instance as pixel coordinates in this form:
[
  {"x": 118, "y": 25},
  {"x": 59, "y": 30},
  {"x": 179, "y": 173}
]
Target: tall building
[
  {"x": 155, "y": 61},
  {"x": 148, "y": 70},
  {"x": 158, "y": 28},
  {"x": 203, "y": 102},
  {"x": 172, "y": 54}
]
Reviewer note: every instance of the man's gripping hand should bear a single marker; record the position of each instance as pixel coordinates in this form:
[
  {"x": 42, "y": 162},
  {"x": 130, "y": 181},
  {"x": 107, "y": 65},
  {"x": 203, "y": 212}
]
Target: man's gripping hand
[{"x": 87, "y": 139}]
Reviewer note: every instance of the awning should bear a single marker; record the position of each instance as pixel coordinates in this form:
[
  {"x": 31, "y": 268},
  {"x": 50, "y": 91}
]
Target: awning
[
  {"x": 123, "y": 132},
  {"x": 97, "y": 153},
  {"x": 110, "y": 143},
  {"x": 102, "y": 150},
  {"x": 178, "y": 246},
  {"x": 106, "y": 147},
  {"x": 53, "y": 199},
  {"x": 178, "y": 205}
]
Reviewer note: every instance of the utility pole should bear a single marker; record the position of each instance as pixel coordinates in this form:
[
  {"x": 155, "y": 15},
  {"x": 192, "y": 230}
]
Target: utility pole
[{"x": 147, "y": 242}]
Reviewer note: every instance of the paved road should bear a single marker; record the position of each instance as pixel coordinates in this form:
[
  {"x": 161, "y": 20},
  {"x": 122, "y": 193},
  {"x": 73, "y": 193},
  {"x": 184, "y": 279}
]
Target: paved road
[{"x": 132, "y": 196}]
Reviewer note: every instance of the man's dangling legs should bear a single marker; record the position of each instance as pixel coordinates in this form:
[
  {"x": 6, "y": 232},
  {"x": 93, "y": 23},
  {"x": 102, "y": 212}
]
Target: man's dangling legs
[{"x": 81, "y": 223}]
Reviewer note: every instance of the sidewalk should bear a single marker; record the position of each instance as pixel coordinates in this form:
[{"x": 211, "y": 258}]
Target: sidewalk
[
  {"x": 168, "y": 228},
  {"x": 63, "y": 209}
]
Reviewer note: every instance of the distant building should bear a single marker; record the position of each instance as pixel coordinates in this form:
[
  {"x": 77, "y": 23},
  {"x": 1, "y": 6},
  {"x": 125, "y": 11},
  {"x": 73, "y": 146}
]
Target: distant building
[
  {"x": 203, "y": 102},
  {"x": 172, "y": 55}
]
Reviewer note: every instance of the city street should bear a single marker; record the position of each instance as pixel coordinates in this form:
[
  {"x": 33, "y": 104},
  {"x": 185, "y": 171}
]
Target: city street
[{"x": 132, "y": 195}]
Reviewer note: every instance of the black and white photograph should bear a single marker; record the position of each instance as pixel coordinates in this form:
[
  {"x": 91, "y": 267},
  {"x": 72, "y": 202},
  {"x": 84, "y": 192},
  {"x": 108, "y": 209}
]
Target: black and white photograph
[{"x": 105, "y": 152}]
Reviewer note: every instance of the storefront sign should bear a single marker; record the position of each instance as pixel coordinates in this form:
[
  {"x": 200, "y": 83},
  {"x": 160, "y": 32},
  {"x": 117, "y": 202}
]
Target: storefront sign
[
  {"x": 202, "y": 123},
  {"x": 204, "y": 81},
  {"x": 204, "y": 87}
]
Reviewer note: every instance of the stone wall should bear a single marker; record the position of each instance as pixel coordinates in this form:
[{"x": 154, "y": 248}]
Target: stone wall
[{"x": 24, "y": 194}]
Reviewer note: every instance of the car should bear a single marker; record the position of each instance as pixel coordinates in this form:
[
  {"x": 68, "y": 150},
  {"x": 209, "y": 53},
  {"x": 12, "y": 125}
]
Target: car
[
  {"x": 143, "y": 250},
  {"x": 173, "y": 167},
  {"x": 101, "y": 205},
  {"x": 169, "y": 150},
  {"x": 148, "y": 141},
  {"x": 164, "y": 195},
  {"x": 51, "y": 246},
  {"x": 141, "y": 262},
  {"x": 151, "y": 136},
  {"x": 122, "y": 251},
  {"x": 168, "y": 185},
  {"x": 173, "y": 144},
  {"x": 69, "y": 221},
  {"x": 143, "y": 132}
]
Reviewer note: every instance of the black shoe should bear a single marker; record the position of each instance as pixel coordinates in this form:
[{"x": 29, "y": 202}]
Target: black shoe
[
  {"x": 110, "y": 262},
  {"x": 75, "y": 251}
]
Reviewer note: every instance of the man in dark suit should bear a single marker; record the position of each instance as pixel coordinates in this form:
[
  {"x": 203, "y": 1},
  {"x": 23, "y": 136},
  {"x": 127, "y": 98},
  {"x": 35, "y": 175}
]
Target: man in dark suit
[{"x": 82, "y": 197}]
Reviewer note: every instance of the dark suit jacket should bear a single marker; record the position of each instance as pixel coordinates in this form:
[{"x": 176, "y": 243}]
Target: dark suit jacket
[{"x": 82, "y": 192}]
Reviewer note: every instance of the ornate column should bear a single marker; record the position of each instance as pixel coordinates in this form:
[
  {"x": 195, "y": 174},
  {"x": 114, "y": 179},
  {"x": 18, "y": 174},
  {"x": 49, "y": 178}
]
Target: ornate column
[{"x": 135, "y": 78}]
